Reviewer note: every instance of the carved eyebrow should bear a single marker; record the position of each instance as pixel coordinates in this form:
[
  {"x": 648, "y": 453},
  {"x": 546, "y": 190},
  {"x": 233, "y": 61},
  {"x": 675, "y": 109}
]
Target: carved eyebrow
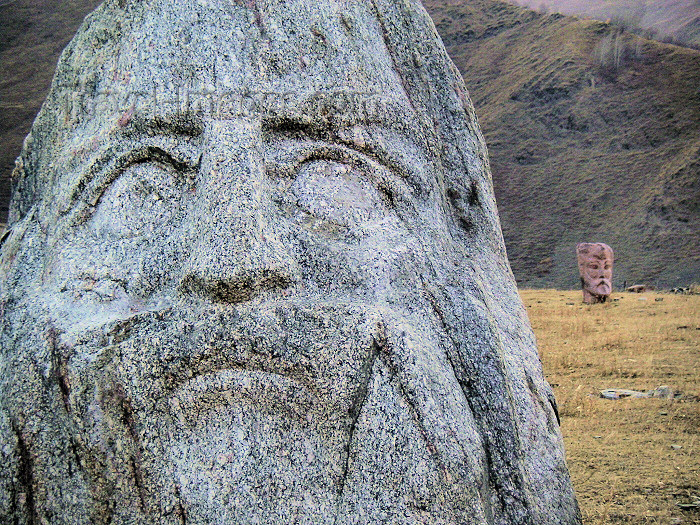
[
  {"x": 312, "y": 114},
  {"x": 284, "y": 157},
  {"x": 286, "y": 123},
  {"x": 107, "y": 165}
]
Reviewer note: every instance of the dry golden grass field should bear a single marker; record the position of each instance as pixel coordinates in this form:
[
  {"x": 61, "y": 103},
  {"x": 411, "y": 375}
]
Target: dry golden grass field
[{"x": 632, "y": 460}]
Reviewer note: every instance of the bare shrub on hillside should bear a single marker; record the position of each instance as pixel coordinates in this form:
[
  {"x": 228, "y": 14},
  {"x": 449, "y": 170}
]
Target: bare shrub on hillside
[
  {"x": 615, "y": 50},
  {"x": 610, "y": 52}
]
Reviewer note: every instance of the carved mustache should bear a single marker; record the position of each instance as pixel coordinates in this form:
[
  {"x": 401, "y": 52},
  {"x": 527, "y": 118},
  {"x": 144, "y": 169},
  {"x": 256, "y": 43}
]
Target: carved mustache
[{"x": 182, "y": 346}]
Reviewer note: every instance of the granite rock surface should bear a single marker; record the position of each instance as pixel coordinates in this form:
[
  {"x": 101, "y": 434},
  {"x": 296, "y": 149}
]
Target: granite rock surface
[{"x": 254, "y": 274}]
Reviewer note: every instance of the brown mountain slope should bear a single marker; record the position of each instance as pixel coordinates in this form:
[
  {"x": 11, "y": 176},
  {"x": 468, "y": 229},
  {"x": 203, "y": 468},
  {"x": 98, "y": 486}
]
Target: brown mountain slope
[{"x": 593, "y": 136}]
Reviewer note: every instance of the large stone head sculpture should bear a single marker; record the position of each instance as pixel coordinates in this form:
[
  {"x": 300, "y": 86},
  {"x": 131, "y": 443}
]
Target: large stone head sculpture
[
  {"x": 595, "y": 264},
  {"x": 255, "y": 275}
]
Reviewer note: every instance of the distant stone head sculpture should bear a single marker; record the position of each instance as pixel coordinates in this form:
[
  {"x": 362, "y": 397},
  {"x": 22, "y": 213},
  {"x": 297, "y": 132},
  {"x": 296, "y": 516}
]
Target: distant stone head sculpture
[
  {"x": 255, "y": 275},
  {"x": 595, "y": 264}
]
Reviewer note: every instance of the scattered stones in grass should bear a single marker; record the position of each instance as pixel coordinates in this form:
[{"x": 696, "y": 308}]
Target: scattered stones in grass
[{"x": 662, "y": 392}]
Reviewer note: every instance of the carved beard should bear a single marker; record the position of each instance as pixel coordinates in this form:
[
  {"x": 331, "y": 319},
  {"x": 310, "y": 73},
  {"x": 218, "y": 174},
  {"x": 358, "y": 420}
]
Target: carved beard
[
  {"x": 196, "y": 416},
  {"x": 599, "y": 287}
]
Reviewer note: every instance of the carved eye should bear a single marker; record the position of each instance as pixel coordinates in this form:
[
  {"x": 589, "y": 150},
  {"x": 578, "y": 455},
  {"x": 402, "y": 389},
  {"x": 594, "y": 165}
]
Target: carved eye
[
  {"x": 338, "y": 193},
  {"x": 143, "y": 200}
]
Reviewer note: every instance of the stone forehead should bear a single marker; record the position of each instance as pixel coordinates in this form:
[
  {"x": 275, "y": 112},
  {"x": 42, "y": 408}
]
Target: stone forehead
[
  {"x": 234, "y": 45},
  {"x": 175, "y": 55},
  {"x": 597, "y": 250}
]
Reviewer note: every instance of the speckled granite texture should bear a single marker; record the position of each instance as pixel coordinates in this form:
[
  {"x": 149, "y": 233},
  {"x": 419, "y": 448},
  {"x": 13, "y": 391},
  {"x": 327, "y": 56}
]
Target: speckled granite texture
[{"x": 255, "y": 274}]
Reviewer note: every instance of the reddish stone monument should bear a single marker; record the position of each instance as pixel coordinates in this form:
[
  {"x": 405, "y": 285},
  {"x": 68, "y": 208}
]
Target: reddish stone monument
[{"x": 595, "y": 263}]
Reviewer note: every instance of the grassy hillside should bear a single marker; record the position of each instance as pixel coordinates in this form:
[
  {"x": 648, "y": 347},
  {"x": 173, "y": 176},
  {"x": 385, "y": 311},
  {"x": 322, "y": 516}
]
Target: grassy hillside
[
  {"x": 632, "y": 461},
  {"x": 593, "y": 136}
]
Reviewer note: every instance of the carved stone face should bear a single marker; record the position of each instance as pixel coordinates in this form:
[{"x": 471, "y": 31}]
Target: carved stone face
[
  {"x": 595, "y": 262},
  {"x": 276, "y": 307}
]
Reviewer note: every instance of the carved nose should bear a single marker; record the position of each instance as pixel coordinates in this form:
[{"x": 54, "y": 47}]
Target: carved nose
[
  {"x": 239, "y": 253},
  {"x": 234, "y": 269}
]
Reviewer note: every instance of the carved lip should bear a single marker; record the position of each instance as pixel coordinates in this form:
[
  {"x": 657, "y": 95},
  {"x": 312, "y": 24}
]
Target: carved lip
[{"x": 275, "y": 391}]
